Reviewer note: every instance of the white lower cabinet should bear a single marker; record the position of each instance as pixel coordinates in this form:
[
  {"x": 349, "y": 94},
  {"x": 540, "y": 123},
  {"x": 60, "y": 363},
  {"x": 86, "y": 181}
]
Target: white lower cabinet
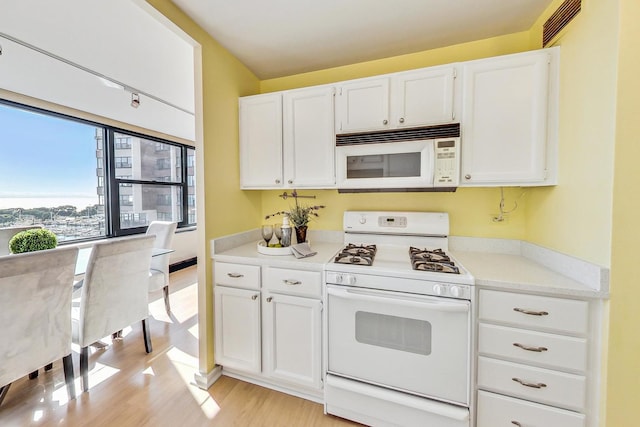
[
  {"x": 272, "y": 331},
  {"x": 292, "y": 339},
  {"x": 533, "y": 366},
  {"x": 496, "y": 410}
]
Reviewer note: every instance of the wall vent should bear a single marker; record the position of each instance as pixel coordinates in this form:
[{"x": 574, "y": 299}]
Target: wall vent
[{"x": 560, "y": 18}]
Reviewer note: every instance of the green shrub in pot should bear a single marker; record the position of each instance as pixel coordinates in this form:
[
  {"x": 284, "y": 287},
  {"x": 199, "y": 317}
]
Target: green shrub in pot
[{"x": 36, "y": 239}]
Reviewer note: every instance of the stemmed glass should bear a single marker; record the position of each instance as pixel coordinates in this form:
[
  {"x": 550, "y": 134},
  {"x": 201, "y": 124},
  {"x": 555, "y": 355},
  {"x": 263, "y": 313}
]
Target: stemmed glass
[
  {"x": 277, "y": 229},
  {"x": 267, "y": 233}
]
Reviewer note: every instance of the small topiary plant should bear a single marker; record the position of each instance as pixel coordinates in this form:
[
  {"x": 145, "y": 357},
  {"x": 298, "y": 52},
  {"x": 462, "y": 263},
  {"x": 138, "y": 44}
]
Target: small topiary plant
[{"x": 36, "y": 239}]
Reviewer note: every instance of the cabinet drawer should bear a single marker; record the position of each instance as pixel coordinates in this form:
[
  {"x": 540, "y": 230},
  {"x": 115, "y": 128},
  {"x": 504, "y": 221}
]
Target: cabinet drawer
[
  {"x": 533, "y": 311},
  {"x": 296, "y": 282},
  {"x": 543, "y": 385},
  {"x": 238, "y": 275},
  {"x": 495, "y": 410},
  {"x": 550, "y": 350}
]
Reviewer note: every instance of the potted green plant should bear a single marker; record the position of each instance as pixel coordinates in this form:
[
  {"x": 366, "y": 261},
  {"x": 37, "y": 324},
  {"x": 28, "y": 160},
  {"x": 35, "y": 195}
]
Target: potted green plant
[
  {"x": 299, "y": 216},
  {"x": 36, "y": 239}
]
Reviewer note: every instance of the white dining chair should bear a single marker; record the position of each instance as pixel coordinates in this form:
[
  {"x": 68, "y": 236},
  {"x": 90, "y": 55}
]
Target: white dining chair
[
  {"x": 7, "y": 233},
  {"x": 114, "y": 294},
  {"x": 35, "y": 311},
  {"x": 159, "y": 272}
]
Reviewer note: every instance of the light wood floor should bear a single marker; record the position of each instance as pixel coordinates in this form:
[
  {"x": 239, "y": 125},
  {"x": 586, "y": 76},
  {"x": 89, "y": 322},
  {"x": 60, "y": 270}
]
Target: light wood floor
[{"x": 131, "y": 388}]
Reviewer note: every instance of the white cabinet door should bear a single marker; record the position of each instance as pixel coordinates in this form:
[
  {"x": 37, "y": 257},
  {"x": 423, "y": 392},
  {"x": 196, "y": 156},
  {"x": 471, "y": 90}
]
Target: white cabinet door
[
  {"x": 309, "y": 138},
  {"x": 363, "y": 105},
  {"x": 504, "y": 120},
  {"x": 292, "y": 339},
  {"x": 423, "y": 97},
  {"x": 237, "y": 328},
  {"x": 261, "y": 141}
]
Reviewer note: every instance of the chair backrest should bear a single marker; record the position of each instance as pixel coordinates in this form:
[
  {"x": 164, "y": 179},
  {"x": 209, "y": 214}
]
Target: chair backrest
[
  {"x": 164, "y": 231},
  {"x": 35, "y": 310},
  {"x": 7, "y": 233},
  {"x": 114, "y": 294}
]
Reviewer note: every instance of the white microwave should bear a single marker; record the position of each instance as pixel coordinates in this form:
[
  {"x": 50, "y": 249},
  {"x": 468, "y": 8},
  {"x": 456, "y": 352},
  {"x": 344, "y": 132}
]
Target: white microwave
[{"x": 418, "y": 165}]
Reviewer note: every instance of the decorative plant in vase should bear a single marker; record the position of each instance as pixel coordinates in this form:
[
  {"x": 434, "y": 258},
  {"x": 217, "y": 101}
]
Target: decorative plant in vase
[
  {"x": 299, "y": 217},
  {"x": 36, "y": 239}
]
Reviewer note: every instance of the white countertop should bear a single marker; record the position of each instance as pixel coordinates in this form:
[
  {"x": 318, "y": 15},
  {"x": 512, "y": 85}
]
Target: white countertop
[
  {"x": 517, "y": 273},
  {"x": 502, "y": 267}
]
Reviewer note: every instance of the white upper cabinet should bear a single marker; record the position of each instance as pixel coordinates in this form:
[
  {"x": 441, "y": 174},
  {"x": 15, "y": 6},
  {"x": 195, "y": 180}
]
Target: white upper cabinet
[
  {"x": 309, "y": 138},
  {"x": 363, "y": 105},
  {"x": 509, "y": 130},
  {"x": 261, "y": 141},
  {"x": 423, "y": 97},
  {"x": 294, "y": 149},
  {"x": 410, "y": 99}
]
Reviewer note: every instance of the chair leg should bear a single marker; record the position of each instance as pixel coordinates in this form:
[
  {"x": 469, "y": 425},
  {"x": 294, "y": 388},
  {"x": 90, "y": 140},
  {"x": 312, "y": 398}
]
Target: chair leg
[
  {"x": 147, "y": 336},
  {"x": 84, "y": 368},
  {"x": 3, "y": 392},
  {"x": 67, "y": 364},
  {"x": 33, "y": 375},
  {"x": 167, "y": 306},
  {"x": 48, "y": 367}
]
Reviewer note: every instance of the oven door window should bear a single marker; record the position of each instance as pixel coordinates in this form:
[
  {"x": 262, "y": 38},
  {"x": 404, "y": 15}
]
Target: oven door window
[
  {"x": 396, "y": 165},
  {"x": 397, "y": 333}
]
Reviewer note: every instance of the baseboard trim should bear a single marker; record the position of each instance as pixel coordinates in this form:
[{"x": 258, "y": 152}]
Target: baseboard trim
[
  {"x": 183, "y": 264},
  {"x": 206, "y": 380}
]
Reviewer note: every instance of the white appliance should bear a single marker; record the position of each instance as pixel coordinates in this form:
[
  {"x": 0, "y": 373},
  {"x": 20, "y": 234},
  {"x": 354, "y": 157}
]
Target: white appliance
[
  {"x": 399, "y": 324},
  {"x": 426, "y": 159}
]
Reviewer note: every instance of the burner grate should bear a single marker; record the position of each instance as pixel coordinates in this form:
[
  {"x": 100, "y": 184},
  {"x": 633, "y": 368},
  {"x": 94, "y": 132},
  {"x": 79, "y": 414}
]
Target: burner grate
[
  {"x": 432, "y": 260},
  {"x": 356, "y": 254}
]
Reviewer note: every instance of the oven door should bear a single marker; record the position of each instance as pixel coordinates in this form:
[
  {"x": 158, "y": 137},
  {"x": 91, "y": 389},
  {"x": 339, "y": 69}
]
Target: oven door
[
  {"x": 407, "y": 342},
  {"x": 407, "y": 164}
]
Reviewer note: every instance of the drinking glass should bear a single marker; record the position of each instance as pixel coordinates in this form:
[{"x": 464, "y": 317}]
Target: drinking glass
[
  {"x": 277, "y": 229},
  {"x": 267, "y": 233}
]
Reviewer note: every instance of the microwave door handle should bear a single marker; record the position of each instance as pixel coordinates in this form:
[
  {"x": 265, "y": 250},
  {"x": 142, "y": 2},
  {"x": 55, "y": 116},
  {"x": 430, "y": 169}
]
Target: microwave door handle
[{"x": 350, "y": 294}]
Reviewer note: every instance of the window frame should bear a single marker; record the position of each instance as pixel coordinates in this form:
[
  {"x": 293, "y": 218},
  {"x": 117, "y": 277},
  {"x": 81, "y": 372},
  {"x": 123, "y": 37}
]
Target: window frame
[{"x": 110, "y": 195}]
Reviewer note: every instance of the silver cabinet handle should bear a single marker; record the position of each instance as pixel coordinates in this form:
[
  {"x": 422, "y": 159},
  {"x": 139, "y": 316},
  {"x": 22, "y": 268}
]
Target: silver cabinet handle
[
  {"x": 528, "y": 384},
  {"x": 515, "y": 423},
  {"x": 385, "y": 121},
  {"x": 254, "y": 297},
  {"x": 269, "y": 299},
  {"x": 290, "y": 181},
  {"x": 292, "y": 282},
  {"x": 235, "y": 275},
  {"x": 467, "y": 176},
  {"x": 530, "y": 312},
  {"x": 401, "y": 120},
  {"x": 528, "y": 348},
  {"x": 277, "y": 181}
]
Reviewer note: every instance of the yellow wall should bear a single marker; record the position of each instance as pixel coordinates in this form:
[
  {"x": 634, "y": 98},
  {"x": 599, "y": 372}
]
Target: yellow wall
[
  {"x": 574, "y": 217},
  {"x": 624, "y": 338},
  {"x": 227, "y": 209}
]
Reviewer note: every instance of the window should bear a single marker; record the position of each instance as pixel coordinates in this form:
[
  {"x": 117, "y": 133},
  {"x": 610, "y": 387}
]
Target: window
[{"x": 85, "y": 180}]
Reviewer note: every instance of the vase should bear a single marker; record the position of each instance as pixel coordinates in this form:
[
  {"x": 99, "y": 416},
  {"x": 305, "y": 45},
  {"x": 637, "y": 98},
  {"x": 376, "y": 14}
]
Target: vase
[{"x": 301, "y": 234}]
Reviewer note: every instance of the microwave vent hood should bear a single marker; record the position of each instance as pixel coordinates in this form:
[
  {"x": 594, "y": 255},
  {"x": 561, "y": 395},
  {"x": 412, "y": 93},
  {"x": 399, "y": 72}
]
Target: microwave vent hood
[{"x": 451, "y": 130}]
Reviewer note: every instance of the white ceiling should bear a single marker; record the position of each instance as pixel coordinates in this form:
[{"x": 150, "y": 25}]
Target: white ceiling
[{"x": 276, "y": 38}]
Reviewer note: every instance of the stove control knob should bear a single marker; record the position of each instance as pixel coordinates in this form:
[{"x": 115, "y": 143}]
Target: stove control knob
[
  {"x": 437, "y": 289},
  {"x": 363, "y": 219},
  {"x": 339, "y": 278},
  {"x": 350, "y": 279},
  {"x": 455, "y": 291}
]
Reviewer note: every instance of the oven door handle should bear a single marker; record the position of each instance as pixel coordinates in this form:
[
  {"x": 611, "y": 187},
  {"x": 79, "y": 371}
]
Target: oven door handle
[{"x": 387, "y": 298}]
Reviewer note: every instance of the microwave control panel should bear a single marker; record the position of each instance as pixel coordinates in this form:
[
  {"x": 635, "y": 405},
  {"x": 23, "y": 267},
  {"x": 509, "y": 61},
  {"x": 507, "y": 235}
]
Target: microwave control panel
[{"x": 447, "y": 162}]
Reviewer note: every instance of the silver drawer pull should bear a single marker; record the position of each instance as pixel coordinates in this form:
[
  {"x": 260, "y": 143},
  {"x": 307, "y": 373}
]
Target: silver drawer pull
[
  {"x": 526, "y": 347},
  {"x": 528, "y": 384},
  {"x": 235, "y": 275},
  {"x": 269, "y": 299},
  {"x": 515, "y": 423},
  {"x": 531, "y": 313},
  {"x": 292, "y": 282},
  {"x": 254, "y": 297}
]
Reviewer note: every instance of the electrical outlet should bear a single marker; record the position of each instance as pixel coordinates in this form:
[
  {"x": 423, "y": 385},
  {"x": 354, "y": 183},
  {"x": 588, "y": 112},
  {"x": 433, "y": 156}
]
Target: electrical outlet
[{"x": 499, "y": 218}]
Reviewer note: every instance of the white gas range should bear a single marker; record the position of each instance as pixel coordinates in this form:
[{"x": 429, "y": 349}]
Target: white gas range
[{"x": 399, "y": 315}]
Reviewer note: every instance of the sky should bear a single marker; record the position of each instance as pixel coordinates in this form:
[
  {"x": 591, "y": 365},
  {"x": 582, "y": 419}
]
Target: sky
[{"x": 45, "y": 161}]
